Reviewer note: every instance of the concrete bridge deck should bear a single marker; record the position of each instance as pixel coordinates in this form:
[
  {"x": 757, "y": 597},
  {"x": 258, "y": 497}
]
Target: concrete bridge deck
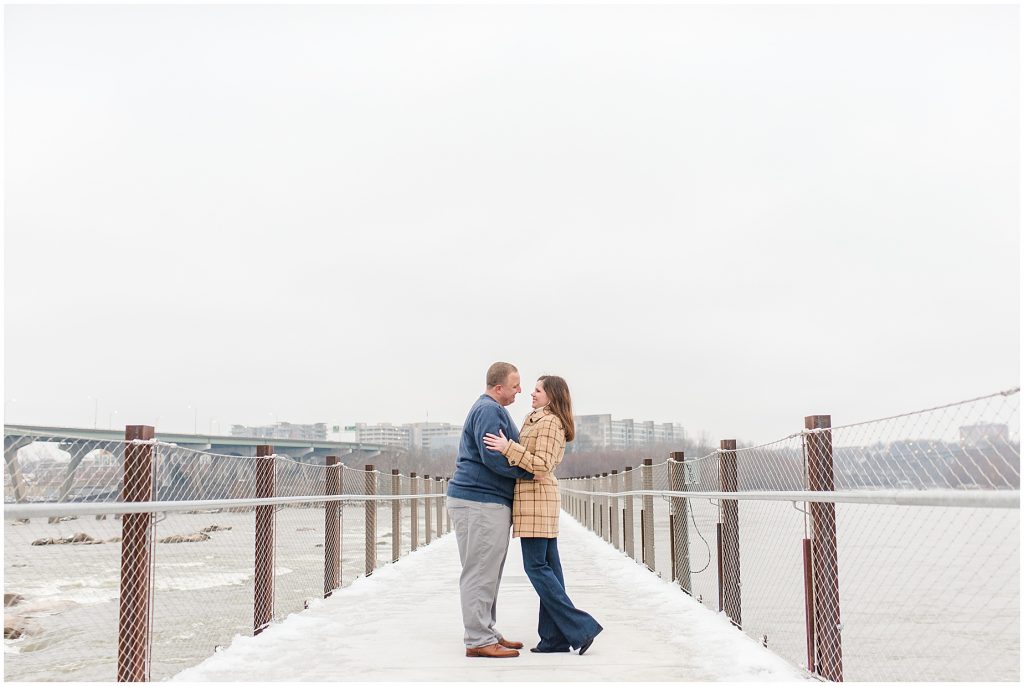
[{"x": 404, "y": 624}]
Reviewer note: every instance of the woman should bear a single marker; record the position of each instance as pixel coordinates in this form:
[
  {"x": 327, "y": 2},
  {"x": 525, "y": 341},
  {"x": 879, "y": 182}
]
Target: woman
[{"x": 535, "y": 510}]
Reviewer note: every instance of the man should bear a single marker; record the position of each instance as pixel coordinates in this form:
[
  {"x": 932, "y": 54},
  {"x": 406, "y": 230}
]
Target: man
[{"x": 480, "y": 504}]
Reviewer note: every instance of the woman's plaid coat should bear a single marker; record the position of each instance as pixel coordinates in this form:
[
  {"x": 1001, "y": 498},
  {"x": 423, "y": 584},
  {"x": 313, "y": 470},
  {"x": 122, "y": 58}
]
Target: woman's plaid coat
[{"x": 541, "y": 447}]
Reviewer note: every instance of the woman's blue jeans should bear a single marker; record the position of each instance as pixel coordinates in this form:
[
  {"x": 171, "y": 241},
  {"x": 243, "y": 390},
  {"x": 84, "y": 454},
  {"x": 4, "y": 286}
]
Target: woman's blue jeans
[{"x": 561, "y": 625}]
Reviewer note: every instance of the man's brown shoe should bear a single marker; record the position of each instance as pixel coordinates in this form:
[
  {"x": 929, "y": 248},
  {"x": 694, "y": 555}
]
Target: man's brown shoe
[
  {"x": 493, "y": 650},
  {"x": 514, "y": 645}
]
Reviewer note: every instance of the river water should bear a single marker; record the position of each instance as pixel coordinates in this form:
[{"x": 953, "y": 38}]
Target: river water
[
  {"x": 926, "y": 593},
  {"x": 203, "y": 590}
]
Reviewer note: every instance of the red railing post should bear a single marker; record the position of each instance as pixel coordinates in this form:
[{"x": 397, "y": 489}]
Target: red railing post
[
  {"x": 628, "y": 529},
  {"x": 371, "y": 519},
  {"x": 647, "y": 522},
  {"x": 332, "y": 528},
  {"x": 447, "y": 514},
  {"x": 414, "y": 512},
  {"x": 679, "y": 525},
  {"x": 263, "y": 583},
  {"x": 718, "y": 543},
  {"x": 602, "y": 522},
  {"x": 824, "y": 553},
  {"x": 809, "y": 603},
  {"x": 731, "y": 595},
  {"x": 439, "y": 507},
  {"x": 427, "y": 512},
  {"x": 396, "y": 516},
  {"x": 136, "y": 593},
  {"x": 613, "y": 510}
]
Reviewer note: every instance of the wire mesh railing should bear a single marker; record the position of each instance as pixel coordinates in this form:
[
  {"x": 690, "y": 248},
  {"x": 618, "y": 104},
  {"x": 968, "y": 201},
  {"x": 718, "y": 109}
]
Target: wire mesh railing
[
  {"x": 882, "y": 550},
  {"x": 134, "y": 559}
]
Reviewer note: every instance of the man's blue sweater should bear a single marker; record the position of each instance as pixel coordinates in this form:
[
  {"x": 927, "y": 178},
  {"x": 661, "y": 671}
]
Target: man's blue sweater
[{"x": 480, "y": 474}]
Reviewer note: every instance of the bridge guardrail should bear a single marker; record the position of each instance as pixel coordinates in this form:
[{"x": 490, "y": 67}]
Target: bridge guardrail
[
  {"x": 882, "y": 550},
  {"x": 137, "y": 578}
]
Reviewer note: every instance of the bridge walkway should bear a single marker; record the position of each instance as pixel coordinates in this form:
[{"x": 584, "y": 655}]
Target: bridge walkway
[{"x": 404, "y": 624}]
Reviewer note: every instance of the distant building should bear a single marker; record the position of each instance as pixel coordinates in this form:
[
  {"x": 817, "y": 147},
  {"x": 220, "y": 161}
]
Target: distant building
[
  {"x": 286, "y": 430},
  {"x": 416, "y": 436},
  {"x": 383, "y": 434},
  {"x": 601, "y": 432},
  {"x": 434, "y": 436},
  {"x": 984, "y": 436}
]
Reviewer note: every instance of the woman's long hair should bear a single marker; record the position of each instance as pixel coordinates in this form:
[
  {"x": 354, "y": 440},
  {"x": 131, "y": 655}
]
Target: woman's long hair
[{"x": 560, "y": 403}]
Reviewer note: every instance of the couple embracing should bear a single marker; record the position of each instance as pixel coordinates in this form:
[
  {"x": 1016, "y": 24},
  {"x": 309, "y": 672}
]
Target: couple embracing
[{"x": 505, "y": 477}]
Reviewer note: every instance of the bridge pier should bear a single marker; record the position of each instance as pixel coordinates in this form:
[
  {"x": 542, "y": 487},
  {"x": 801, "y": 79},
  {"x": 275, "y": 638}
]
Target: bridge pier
[
  {"x": 78, "y": 452},
  {"x": 12, "y": 444}
]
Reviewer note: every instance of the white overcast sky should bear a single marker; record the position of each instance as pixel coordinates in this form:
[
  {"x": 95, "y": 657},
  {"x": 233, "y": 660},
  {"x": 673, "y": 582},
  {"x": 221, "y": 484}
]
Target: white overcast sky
[{"x": 727, "y": 216}]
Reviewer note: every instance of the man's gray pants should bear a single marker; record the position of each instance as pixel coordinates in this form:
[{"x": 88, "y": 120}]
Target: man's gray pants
[{"x": 482, "y": 532}]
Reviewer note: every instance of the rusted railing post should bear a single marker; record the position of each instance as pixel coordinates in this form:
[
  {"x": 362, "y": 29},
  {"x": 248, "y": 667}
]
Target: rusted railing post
[
  {"x": 614, "y": 511},
  {"x": 584, "y": 499},
  {"x": 718, "y": 548},
  {"x": 589, "y": 514},
  {"x": 332, "y": 527},
  {"x": 447, "y": 514},
  {"x": 414, "y": 512},
  {"x": 628, "y": 528},
  {"x": 581, "y": 485},
  {"x": 648, "y": 516},
  {"x": 439, "y": 508},
  {"x": 809, "y": 603},
  {"x": 427, "y": 525},
  {"x": 606, "y": 520},
  {"x": 370, "y": 489},
  {"x": 731, "y": 595},
  {"x": 824, "y": 554},
  {"x": 136, "y": 593},
  {"x": 680, "y": 522},
  {"x": 263, "y": 583},
  {"x": 396, "y": 516},
  {"x": 572, "y": 500}
]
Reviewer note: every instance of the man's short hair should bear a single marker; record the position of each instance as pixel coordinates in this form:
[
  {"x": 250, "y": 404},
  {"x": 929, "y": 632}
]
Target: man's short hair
[{"x": 498, "y": 373}]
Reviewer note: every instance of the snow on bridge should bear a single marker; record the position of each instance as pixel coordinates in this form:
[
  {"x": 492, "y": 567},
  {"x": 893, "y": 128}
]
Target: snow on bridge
[{"x": 404, "y": 623}]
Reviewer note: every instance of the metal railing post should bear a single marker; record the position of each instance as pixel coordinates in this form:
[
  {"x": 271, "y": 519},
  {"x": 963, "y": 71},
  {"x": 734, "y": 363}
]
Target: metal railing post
[
  {"x": 396, "y": 516},
  {"x": 614, "y": 509},
  {"x": 591, "y": 513},
  {"x": 731, "y": 584},
  {"x": 370, "y": 489},
  {"x": 332, "y": 527},
  {"x": 414, "y": 512},
  {"x": 136, "y": 592},
  {"x": 824, "y": 554},
  {"x": 648, "y": 513},
  {"x": 680, "y": 522},
  {"x": 808, "y": 602},
  {"x": 606, "y": 520},
  {"x": 263, "y": 582},
  {"x": 628, "y": 528},
  {"x": 447, "y": 514},
  {"x": 439, "y": 508},
  {"x": 427, "y": 518}
]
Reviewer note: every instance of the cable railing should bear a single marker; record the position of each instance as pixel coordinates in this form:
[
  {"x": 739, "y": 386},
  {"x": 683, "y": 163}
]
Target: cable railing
[
  {"x": 131, "y": 560},
  {"x": 881, "y": 550}
]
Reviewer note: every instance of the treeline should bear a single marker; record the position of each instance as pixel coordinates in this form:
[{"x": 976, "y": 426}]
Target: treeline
[{"x": 575, "y": 463}]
